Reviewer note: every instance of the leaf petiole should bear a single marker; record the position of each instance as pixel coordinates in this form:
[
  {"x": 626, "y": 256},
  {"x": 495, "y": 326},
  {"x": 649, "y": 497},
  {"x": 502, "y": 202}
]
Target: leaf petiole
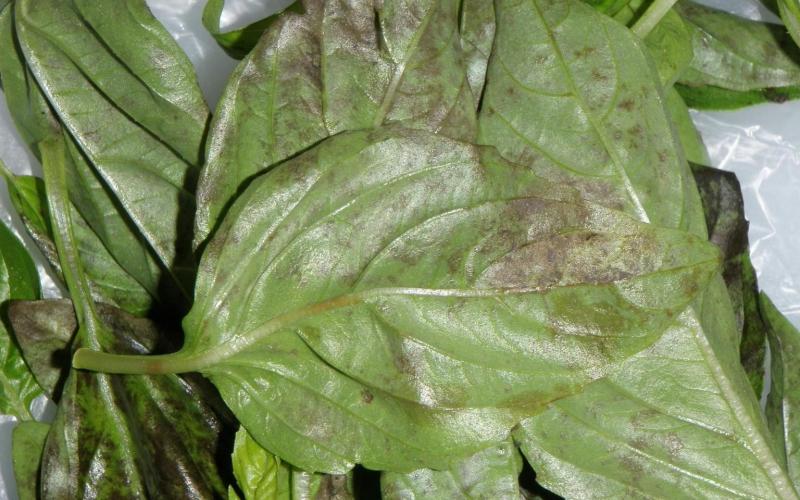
[{"x": 651, "y": 17}]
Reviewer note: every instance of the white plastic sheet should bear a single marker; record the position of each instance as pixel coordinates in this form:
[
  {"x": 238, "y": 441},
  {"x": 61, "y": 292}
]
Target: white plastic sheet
[{"x": 760, "y": 144}]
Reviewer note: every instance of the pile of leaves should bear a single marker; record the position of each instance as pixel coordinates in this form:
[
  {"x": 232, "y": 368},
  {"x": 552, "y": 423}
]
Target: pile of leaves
[{"x": 422, "y": 249}]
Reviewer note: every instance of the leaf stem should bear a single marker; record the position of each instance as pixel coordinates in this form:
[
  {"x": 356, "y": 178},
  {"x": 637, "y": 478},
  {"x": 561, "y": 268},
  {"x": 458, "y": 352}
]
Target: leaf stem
[
  {"x": 54, "y": 158},
  {"x": 651, "y": 17}
]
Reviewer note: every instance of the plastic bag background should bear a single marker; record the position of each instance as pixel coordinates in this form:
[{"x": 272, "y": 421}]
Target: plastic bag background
[{"x": 761, "y": 144}]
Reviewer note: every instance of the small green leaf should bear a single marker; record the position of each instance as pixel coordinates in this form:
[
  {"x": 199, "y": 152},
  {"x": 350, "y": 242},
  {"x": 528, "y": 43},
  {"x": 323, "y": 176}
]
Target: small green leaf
[
  {"x": 738, "y": 62},
  {"x": 790, "y": 13},
  {"x": 238, "y": 43},
  {"x": 27, "y": 445},
  {"x": 18, "y": 280},
  {"x": 491, "y": 473},
  {"x": 256, "y": 469},
  {"x": 783, "y": 401},
  {"x": 670, "y": 45}
]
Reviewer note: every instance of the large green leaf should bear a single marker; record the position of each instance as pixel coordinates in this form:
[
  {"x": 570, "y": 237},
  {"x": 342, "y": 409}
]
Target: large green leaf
[
  {"x": 398, "y": 299},
  {"x": 139, "y": 129},
  {"x": 490, "y": 473},
  {"x": 339, "y": 66},
  {"x": 18, "y": 280},
  {"x": 108, "y": 280},
  {"x": 783, "y": 401},
  {"x": 27, "y": 444},
  {"x": 738, "y": 62},
  {"x": 585, "y": 106}
]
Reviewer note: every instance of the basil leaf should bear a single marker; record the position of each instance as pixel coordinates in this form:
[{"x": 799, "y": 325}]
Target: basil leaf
[
  {"x": 44, "y": 340},
  {"x": 238, "y": 43},
  {"x": 670, "y": 45},
  {"x": 339, "y": 66},
  {"x": 18, "y": 280},
  {"x": 724, "y": 208},
  {"x": 783, "y": 400},
  {"x": 491, "y": 473},
  {"x": 584, "y": 107},
  {"x": 477, "y": 27},
  {"x": 737, "y": 62},
  {"x": 257, "y": 471},
  {"x": 108, "y": 281},
  {"x": 119, "y": 437},
  {"x": 424, "y": 244},
  {"x": 689, "y": 137},
  {"x": 609, "y": 7},
  {"x": 140, "y": 130},
  {"x": 790, "y": 14},
  {"x": 27, "y": 444},
  {"x": 666, "y": 425}
]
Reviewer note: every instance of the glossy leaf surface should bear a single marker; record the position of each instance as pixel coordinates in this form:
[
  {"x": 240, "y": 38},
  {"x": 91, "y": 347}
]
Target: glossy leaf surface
[
  {"x": 341, "y": 66},
  {"x": 490, "y": 473},
  {"x": 109, "y": 282},
  {"x": 783, "y": 401},
  {"x": 26, "y": 453},
  {"x": 18, "y": 280},
  {"x": 140, "y": 129},
  {"x": 440, "y": 294},
  {"x": 585, "y": 107},
  {"x": 737, "y": 62}
]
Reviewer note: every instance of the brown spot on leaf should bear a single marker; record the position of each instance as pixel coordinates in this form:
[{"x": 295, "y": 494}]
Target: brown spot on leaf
[
  {"x": 366, "y": 396},
  {"x": 627, "y": 105}
]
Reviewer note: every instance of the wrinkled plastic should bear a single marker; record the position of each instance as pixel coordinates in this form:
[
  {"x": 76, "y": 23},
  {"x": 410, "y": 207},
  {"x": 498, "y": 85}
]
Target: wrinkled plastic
[{"x": 761, "y": 144}]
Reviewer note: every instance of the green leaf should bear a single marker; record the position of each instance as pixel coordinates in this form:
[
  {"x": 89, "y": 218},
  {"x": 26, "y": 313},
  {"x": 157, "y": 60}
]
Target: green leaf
[
  {"x": 416, "y": 249},
  {"x": 783, "y": 401},
  {"x": 666, "y": 425},
  {"x": 688, "y": 136},
  {"x": 571, "y": 89},
  {"x": 238, "y": 43},
  {"x": 670, "y": 45},
  {"x": 256, "y": 469},
  {"x": 340, "y": 66},
  {"x": 723, "y": 204},
  {"x": 790, "y": 14},
  {"x": 27, "y": 444},
  {"x": 490, "y": 473},
  {"x": 738, "y": 62},
  {"x": 124, "y": 437},
  {"x": 262, "y": 475},
  {"x": 609, "y": 7},
  {"x": 139, "y": 129},
  {"x": 18, "y": 280},
  {"x": 584, "y": 107},
  {"x": 109, "y": 282}
]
